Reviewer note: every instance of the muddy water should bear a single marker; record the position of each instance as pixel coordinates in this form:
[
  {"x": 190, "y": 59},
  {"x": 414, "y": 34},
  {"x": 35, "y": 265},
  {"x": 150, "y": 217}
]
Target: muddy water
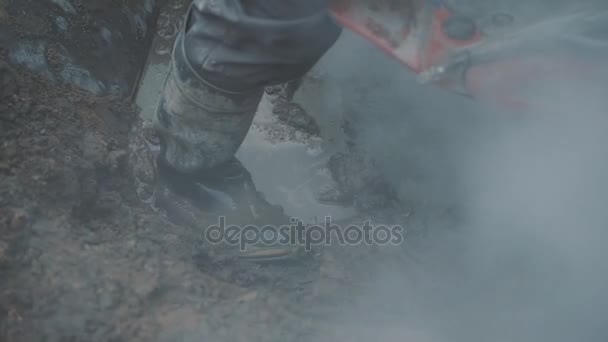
[
  {"x": 289, "y": 167},
  {"x": 290, "y": 173}
]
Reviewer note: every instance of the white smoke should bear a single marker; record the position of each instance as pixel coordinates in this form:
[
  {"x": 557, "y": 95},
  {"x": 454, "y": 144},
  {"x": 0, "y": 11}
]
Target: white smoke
[{"x": 524, "y": 256}]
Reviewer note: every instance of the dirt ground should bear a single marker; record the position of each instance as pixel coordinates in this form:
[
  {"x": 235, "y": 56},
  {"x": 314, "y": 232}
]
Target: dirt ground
[
  {"x": 82, "y": 259},
  {"x": 95, "y": 45}
]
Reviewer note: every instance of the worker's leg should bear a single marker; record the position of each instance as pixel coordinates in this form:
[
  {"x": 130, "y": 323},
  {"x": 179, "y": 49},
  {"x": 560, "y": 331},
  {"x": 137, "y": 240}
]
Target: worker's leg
[{"x": 231, "y": 50}]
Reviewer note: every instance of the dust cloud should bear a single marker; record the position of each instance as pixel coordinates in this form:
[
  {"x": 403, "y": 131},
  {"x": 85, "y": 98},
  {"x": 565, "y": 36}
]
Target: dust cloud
[{"x": 520, "y": 254}]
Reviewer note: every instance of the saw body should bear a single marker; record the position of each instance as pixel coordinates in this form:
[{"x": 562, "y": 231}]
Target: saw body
[{"x": 484, "y": 51}]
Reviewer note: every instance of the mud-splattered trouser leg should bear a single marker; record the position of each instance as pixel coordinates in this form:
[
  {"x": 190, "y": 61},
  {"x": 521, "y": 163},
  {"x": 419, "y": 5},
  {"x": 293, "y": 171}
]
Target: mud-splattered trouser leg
[{"x": 229, "y": 51}]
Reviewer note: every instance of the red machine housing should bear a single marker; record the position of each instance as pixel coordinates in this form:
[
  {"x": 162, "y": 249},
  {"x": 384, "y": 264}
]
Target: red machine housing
[{"x": 481, "y": 57}]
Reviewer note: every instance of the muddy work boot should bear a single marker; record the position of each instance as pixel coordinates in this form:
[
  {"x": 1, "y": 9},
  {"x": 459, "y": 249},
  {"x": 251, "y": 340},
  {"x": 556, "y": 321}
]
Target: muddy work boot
[
  {"x": 200, "y": 199},
  {"x": 226, "y": 192}
]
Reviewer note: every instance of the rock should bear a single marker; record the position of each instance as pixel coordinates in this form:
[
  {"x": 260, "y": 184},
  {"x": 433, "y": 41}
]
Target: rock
[
  {"x": 19, "y": 220},
  {"x": 116, "y": 159},
  {"x": 274, "y": 90},
  {"x": 5, "y": 167},
  {"x": 3, "y": 252},
  {"x": 94, "y": 149},
  {"x": 356, "y": 174},
  {"x": 146, "y": 280},
  {"x": 294, "y": 115},
  {"x": 109, "y": 296},
  {"x": 335, "y": 196},
  {"x": 3, "y": 14},
  {"x": 248, "y": 297},
  {"x": 10, "y": 151},
  {"x": 8, "y": 81}
]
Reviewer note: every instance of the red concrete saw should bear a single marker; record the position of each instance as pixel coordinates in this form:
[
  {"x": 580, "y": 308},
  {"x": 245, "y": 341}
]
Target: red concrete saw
[{"x": 496, "y": 50}]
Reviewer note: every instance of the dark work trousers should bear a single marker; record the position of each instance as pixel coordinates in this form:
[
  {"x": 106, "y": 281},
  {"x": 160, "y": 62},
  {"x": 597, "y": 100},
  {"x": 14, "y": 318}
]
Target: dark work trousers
[{"x": 228, "y": 51}]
